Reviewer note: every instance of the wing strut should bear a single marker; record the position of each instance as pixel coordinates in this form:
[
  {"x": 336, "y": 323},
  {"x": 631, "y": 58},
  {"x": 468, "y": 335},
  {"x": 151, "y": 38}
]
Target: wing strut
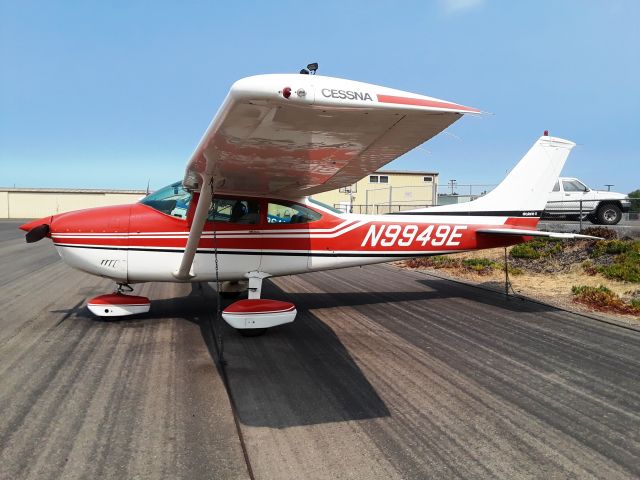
[{"x": 197, "y": 225}]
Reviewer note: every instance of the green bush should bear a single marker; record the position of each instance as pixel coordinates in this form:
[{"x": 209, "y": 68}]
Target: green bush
[
  {"x": 611, "y": 247},
  {"x": 524, "y": 250},
  {"x": 626, "y": 264},
  {"x": 479, "y": 263},
  {"x": 538, "y": 248}
]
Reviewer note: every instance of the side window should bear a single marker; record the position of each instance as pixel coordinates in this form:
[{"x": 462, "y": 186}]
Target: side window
[
  {"x": 290, "y": 213},
  {"x": 384, "y": 179},
  {"x": 232, "y": 210},
  {"x": 571, "y": 186},
  {"x": 373, "y": 178},
  {"x": 556, "y": 187}
]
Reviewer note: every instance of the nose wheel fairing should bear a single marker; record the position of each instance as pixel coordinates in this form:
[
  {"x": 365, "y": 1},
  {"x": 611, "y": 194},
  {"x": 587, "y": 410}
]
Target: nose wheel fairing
[{"x": 118, "y": 305}]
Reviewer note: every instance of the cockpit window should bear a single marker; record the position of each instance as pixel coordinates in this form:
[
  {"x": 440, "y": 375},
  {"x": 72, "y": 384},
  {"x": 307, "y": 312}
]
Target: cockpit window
[
  {"x": 171, "y": 200},
  {"x": 233, "y": 210}
]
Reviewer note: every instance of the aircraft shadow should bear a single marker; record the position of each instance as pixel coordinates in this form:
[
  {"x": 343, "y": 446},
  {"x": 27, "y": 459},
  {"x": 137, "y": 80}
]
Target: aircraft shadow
[
  {"x": 297, "y": 374},
  {"x": 488, "y": 294}
]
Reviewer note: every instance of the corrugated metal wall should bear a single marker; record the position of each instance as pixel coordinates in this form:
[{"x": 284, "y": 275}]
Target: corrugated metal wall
[{"x": 38, "y": 204}]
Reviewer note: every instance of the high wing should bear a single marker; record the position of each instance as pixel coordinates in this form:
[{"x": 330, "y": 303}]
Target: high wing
[{"x": 296, "y": 135}]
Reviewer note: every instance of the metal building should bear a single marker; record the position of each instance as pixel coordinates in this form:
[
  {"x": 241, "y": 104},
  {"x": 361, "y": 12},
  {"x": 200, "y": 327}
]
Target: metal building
[
  {"x": 42, "y": 202},
  {"x": 385, "y": 191}
]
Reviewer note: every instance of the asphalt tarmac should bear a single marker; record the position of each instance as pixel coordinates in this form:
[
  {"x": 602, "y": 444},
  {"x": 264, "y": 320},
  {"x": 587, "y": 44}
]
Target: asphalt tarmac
[{"x": 384, "y": 374}]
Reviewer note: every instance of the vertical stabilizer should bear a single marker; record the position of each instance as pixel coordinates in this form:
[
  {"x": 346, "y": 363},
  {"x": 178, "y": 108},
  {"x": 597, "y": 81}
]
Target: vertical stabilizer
[{"x": 526, "y": 188}]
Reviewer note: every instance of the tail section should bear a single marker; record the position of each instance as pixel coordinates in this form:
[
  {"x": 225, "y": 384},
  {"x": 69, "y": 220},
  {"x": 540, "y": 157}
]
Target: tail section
[{"x": 525, "y": 190}]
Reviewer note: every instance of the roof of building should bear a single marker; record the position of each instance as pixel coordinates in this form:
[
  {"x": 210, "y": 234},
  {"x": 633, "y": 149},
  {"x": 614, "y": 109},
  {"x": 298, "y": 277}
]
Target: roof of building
[{"x": 404, "y": 172}]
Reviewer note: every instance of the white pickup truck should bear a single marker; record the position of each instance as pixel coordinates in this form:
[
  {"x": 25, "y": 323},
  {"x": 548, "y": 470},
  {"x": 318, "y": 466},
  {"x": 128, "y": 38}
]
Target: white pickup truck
[{"x": 598, "y": 206}]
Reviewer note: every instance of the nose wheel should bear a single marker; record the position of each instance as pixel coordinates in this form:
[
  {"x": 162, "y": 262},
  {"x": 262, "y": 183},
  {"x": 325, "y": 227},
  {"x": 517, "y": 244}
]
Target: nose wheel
[{"x": 123, "y": 288}]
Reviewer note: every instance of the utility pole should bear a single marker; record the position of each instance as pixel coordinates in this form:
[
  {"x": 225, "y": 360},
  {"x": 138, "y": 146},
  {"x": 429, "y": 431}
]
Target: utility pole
[{"x": 452, "y": 184}]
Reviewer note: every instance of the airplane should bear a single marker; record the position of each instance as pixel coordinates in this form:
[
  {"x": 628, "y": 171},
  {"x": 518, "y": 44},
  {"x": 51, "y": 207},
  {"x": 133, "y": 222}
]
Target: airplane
[{"x": 244, "y": 210}]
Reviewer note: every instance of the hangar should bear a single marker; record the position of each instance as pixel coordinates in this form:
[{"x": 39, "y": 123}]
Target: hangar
[
  {"x": 43, "y": 202},
  {"x": 381, "y": 192}
]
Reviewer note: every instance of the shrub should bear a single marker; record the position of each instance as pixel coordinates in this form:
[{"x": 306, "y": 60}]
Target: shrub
[
  {"x": 626, "y": 264},
  {"x": 538, "y": 248},
  {"x": 480, "y": 265},
  {"x": 589, "y": 268},
  {"x": 602, "y": 298},
  {"x": 602, "y": 232},
  {"x": 437, "y": 261},
  {"x": 611, "y": 247},
  {"x": 625, "y": 268},
  {"x": 524, "y": 250}
]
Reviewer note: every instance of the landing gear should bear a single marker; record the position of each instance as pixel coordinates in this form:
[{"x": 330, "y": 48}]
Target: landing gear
[
  {"x": 252, "y": 317},
  {"x": 118, "y": 304},
  {"x": 123, "y": 288},
  {"x": 232, "y": 290}
]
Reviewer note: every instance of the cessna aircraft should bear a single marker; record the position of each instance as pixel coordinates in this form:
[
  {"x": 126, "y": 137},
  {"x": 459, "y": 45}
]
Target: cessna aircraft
[{"x": 243, "y": 211}]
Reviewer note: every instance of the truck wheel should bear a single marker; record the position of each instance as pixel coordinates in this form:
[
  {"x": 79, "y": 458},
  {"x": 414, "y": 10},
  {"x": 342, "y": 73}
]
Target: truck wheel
[{"x": 609, "y": 214}]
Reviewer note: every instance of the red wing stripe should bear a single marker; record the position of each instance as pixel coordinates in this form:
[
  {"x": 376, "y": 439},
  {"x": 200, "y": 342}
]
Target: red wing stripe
[{"x": 423, "y": 103}]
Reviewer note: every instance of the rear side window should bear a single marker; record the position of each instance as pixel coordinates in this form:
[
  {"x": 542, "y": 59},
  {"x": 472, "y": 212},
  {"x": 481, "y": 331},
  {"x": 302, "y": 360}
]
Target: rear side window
[
  {"x": 556, "y": 187},
  {"x": 290, "y": 213}
]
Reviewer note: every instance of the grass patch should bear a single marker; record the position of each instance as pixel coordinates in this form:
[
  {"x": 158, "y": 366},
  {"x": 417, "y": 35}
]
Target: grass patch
[{"x": 601, "y": 298}]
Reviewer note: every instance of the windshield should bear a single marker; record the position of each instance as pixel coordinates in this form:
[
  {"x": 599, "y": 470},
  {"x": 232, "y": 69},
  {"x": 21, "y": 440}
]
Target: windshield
[{"x": 171, "y": 200}]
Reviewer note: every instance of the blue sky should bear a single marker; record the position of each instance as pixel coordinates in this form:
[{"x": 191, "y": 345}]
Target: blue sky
[{"x": 111, "y": 94}]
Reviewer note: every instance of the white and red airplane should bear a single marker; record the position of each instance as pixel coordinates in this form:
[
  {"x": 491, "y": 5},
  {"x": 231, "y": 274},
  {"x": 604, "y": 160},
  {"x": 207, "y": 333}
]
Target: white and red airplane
[{"x": 243, "y": 211}]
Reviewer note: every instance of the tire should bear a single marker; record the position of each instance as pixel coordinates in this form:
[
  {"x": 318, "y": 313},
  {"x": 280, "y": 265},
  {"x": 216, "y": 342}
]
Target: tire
[
  {"x": 609, "y": 214},
  {"x": 251, "y": 332},
  {"x": 230, "y": 295}
]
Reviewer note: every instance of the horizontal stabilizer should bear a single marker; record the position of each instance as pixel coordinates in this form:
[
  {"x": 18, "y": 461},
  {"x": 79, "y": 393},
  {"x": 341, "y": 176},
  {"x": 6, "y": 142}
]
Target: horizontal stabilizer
[{"x": 534, "y": 233}]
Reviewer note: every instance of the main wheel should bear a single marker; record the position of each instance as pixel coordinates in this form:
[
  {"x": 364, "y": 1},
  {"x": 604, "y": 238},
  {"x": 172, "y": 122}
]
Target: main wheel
[
  {"x": 230, "y": 295},
  {"x": 251, "y": 332},
  {"x": 609, "y": 214}
]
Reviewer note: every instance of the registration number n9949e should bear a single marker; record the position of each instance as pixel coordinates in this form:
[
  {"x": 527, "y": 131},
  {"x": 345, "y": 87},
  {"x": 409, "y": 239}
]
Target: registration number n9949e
[{"x": 407, "y": 235}]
